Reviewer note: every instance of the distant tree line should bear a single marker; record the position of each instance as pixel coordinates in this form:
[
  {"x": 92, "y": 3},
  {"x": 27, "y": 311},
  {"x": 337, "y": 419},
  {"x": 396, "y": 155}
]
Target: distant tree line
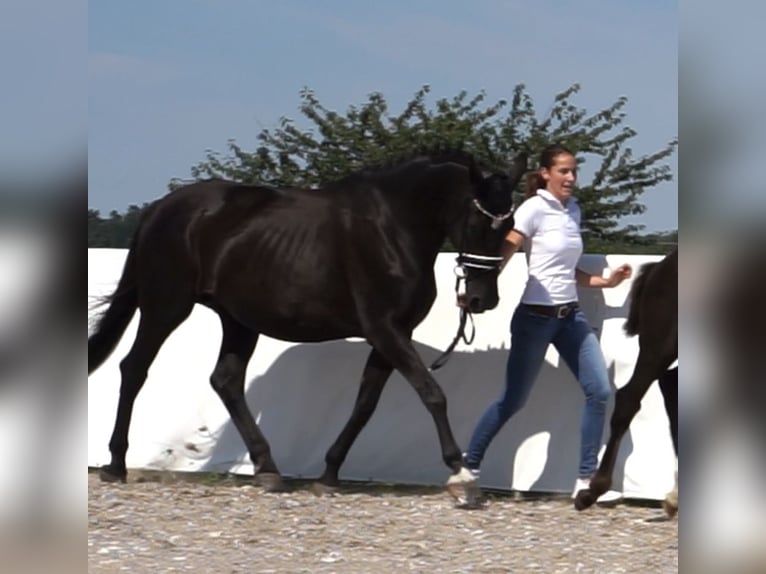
[{"x": 116, "y": 230}]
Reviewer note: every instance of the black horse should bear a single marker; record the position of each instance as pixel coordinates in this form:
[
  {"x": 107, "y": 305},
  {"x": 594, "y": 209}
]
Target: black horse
[
  {"x": 352, "y": 259},
  {"x": 653, "y": 317}
]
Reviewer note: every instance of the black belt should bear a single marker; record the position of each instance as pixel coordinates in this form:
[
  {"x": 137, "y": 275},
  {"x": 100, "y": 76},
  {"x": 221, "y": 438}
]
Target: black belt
[{"x": 556, "y": 311}]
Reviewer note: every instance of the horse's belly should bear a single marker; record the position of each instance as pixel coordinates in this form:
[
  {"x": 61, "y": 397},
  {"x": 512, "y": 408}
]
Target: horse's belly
[
  {"x": 300, "y": 323},
  {"x": 307, "y": 333}
]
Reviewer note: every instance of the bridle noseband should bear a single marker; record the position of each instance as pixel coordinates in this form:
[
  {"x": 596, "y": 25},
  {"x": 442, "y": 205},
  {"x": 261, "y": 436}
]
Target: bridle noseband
[
  {"x": 485, "y": 264},
  {"x": 482, "y": 262}
]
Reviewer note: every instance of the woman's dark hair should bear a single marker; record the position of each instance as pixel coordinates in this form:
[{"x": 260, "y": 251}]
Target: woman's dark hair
[{"x": 548, "y": 156}]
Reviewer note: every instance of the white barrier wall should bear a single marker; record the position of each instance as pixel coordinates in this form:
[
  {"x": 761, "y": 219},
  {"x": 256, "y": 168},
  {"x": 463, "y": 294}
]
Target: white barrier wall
[{"x": 302, "y": 395}]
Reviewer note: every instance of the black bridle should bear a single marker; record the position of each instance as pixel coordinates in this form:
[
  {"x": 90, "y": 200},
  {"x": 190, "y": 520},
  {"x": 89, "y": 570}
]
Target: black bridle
[{"x": 481, "y": 263}]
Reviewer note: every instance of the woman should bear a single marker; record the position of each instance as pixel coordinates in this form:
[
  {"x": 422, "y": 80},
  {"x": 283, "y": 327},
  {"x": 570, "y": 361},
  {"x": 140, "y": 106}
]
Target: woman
[{"x": 547, "y": 224}]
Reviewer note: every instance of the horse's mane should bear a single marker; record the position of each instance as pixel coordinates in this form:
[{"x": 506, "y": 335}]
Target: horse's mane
[
  {"x": 434, "y": 154},
  {"x": 431, "y": 155}
]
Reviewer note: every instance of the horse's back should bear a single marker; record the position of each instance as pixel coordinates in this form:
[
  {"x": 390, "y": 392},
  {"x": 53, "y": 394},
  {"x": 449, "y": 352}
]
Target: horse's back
[{"x": 203, "y": 224}]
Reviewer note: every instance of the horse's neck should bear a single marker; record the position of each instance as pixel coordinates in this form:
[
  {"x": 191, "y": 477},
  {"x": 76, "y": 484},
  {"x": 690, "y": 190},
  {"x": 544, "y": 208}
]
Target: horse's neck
[{"x": 431, "y": 205}]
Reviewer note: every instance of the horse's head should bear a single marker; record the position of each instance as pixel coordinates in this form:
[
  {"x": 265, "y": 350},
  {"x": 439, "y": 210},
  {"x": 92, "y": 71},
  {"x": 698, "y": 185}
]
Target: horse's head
[{"x": 480, "y": 233}]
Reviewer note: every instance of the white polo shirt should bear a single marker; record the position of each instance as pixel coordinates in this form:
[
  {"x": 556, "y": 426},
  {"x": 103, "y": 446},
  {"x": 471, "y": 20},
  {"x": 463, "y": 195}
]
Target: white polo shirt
[{"x": 552, "y": 245}]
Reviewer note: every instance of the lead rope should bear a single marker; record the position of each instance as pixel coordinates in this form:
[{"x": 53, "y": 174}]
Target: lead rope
[{"x": 464, "y": 315}]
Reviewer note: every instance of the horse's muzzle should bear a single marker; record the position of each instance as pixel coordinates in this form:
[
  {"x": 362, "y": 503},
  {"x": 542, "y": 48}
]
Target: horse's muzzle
[{"x": 480, "y": 304}]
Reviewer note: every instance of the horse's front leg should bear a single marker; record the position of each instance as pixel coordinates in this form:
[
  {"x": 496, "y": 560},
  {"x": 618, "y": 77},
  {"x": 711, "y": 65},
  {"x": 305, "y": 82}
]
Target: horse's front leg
[{"x": 399, "y": 351}]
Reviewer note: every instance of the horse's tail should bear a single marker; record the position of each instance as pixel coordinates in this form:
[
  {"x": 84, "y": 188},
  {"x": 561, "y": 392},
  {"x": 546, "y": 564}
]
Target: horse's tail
[
  {"x": 122, "y": 305},
  {"x": 631, "y": 326}
]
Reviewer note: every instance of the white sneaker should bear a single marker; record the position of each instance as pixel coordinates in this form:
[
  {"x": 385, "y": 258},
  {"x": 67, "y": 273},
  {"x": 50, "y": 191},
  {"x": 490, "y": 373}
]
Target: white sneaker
[
  {"x": 474, "y": 471},
  {"x": 609, "y": 497}
]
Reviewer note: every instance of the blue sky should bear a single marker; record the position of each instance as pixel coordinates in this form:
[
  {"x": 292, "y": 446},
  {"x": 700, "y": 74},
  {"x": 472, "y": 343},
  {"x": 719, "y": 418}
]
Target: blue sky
[
  {"x": 43, "y": 93},
  {"x": 169, "y": 79}
]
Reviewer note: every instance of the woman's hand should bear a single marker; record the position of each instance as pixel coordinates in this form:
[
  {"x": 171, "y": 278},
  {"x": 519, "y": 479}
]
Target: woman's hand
[{"x": 619, "y": 275}]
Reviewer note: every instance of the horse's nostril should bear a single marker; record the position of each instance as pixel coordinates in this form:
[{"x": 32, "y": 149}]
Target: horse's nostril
[{"x": 475, "y": 305}]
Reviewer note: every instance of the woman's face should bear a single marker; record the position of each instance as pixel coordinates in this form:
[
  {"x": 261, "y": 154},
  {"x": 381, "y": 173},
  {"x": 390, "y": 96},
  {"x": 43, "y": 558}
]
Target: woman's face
[{"x": 561, "y": 177}]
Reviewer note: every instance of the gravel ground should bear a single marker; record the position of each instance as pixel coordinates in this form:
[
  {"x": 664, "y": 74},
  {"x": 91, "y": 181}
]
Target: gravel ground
[{"x": 163, "y": 523}]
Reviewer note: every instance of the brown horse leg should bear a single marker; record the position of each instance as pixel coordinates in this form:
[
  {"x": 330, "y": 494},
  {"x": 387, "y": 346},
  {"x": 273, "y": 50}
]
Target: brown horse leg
[
  {"x": 627, "y": 404},
  {"x": 228, "y": 381},
  {"x": 376, "y": 373},
  {"x": 153, "y": 329}
]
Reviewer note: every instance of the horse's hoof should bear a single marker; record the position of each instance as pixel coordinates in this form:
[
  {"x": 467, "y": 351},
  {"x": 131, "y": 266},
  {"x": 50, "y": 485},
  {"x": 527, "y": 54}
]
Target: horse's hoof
[
  {"x": 109, "y": 474},
  {"x": 462, "y": 486},
  {"x": 670, "y": 508},
  {"x": 270, "y": 482},
  {"x": 321, "y": 489},
  {"x": 584, "y": 499}
]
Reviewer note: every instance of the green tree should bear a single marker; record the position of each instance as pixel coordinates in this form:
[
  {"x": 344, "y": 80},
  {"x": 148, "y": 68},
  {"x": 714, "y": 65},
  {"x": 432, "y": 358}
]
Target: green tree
[
  {"x": 116, "y": 231},
  {"x": 367, "y": 134},
  {"x": 97, "y": 232}
]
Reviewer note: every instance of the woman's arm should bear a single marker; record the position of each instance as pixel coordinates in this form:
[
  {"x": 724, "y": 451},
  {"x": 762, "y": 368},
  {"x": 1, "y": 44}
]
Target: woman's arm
[
  {"x": 617, "y": 276},
  {"x": 512, "y": 242}
]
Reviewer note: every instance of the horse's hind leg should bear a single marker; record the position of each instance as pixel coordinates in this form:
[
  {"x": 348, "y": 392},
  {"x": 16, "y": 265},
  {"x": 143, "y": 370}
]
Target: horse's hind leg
[
  {"x": 669, "y": 387},
  {"x": 376, "y": 373},
  {"x": 228, "y": 381},
  {"x": 627, "y": 404},
  {"x": 153, "y": 328}
]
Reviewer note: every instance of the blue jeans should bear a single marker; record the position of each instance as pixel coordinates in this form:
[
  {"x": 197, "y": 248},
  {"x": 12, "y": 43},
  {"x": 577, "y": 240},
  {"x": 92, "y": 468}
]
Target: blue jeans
[{"x": 573, "y": 338}]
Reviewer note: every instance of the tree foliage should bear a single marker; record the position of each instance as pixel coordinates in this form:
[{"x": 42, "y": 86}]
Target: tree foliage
[
  {"x": 336, "y": 144},
  {"x": 115, "y": 231}
]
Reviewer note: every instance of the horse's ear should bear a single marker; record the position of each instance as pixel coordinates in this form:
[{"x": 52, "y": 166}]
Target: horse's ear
[{"x": 518, "y": 167}]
